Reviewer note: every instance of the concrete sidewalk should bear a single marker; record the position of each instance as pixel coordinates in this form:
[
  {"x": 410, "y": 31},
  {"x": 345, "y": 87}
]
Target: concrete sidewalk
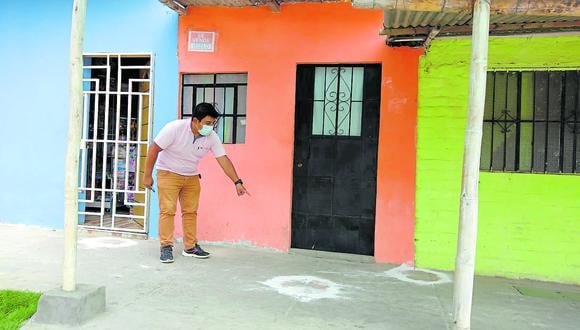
[{"x": 243, "y": 288}]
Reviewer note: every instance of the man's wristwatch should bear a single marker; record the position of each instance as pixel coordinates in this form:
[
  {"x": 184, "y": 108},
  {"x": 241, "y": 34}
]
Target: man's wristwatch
[{"x": 239, "y": 182}]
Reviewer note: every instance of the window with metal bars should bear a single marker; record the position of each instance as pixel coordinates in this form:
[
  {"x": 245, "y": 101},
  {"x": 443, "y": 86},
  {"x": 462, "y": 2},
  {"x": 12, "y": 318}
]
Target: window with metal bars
[
  {"x": 227, "y": 92},
  {"x": 532, "y": 122}
]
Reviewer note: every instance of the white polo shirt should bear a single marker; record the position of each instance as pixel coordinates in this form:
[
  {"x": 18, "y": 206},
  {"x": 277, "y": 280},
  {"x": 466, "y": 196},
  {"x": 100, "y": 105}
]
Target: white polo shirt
[{"x": 182, "y": 151}]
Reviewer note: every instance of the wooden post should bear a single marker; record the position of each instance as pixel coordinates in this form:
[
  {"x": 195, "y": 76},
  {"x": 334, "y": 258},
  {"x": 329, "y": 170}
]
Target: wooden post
[
  {"x": 73, "y": 145},
  {"x": 465, "y": 261}
]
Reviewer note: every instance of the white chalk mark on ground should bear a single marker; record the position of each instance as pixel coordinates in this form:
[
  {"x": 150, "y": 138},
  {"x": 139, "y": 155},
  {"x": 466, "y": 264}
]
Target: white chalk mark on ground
[
  {"x": 305, "y": 288},
  {"x": 417, "y": 276},
  {"x": 106, "y": 242}
]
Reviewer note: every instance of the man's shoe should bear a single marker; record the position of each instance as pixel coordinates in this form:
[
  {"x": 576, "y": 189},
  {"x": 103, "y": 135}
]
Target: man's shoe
[
  {"x": 166, "y": 254},
  {"x": 196, "y": 252}
]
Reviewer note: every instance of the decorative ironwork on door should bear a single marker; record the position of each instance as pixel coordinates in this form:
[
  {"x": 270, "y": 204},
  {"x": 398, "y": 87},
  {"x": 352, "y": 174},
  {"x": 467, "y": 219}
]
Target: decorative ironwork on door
[
  {"x": 116, "y": 130},
  {"x": 338, "y": 101}
]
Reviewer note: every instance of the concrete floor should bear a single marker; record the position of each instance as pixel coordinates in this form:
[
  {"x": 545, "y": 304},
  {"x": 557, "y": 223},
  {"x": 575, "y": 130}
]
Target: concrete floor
[{"x": 244, "y": 288}]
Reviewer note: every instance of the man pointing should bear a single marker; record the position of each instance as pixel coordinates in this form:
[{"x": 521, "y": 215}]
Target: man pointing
[{"x": 177, "y": 149}]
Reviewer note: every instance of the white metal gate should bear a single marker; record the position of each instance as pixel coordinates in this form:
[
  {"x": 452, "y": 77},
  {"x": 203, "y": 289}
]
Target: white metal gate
[{"x": 117, "y": 123}]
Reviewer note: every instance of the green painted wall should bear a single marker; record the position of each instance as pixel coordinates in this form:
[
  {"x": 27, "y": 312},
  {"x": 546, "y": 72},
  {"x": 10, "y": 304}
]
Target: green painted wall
[{"x": 529, "y": 224}]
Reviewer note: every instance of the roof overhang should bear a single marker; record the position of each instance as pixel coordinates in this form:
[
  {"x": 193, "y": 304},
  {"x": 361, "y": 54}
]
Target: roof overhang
[
  {"x": 498, "y": 7},
  {"x": 181, "y": 5},
  {"x": 416, "y": 23}
]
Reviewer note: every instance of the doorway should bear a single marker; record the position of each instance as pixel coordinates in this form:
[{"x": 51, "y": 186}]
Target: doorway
[
  {"x": 116, "y": 131},
  {"x": 335, "y": 158}
]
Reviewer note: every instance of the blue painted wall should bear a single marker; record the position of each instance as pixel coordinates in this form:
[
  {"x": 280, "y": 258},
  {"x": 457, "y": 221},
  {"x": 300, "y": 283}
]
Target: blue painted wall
[{"x": 34, "y": 39}]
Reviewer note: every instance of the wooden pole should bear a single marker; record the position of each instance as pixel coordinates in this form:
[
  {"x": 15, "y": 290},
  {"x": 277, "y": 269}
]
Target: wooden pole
[
  {"x": 73, "y": 145},
  {"x": 465, "y": 261}
]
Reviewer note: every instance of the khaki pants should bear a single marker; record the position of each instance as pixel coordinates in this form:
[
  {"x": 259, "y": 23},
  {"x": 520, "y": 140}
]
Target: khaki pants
[{"x": 172, "y": 186}]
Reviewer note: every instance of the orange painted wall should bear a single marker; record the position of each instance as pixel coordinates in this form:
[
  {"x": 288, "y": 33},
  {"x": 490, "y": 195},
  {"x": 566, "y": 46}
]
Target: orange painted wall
[{"x": 269, "y": 46}]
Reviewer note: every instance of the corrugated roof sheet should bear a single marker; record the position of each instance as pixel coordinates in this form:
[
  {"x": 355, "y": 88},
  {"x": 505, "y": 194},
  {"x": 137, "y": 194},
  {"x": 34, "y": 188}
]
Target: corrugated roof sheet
[{"x": 410, "y": 19}]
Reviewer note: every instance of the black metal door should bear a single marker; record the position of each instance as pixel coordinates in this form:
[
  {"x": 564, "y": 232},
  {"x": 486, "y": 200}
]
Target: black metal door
[{"x": 335, "y": 158}]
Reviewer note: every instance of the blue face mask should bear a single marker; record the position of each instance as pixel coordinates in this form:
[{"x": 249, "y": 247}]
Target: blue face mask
[{"x": 206, "y": 130}]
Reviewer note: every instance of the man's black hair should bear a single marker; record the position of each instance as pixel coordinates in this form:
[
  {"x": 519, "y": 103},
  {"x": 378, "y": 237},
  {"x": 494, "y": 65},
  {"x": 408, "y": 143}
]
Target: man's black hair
[{"x": 203, "y": 110}]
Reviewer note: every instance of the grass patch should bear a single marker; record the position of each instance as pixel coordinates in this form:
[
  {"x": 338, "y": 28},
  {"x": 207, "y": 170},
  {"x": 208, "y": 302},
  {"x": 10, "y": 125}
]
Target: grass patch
[{"x": 16, "y": 307}]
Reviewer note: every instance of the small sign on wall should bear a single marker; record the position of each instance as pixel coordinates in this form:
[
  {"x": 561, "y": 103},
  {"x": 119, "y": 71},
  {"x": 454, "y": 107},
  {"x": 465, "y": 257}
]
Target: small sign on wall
[{"x": 201, "y": 41}]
